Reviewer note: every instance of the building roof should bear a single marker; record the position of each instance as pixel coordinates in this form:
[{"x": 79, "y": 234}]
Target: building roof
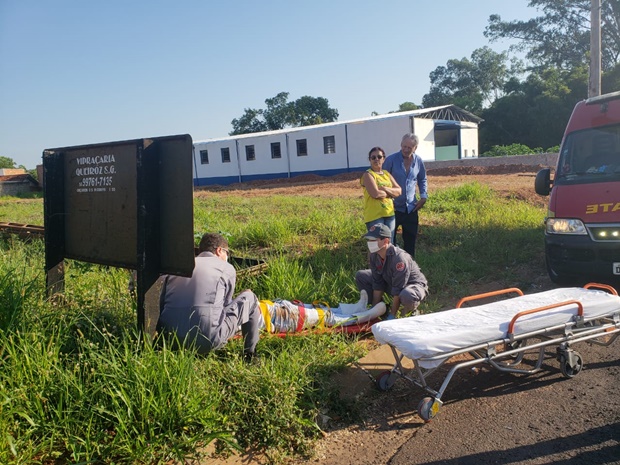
[
  {"x": 450, "y": 113},
  {"x": 444, "y": 112},
  {"x": 18, "y": 179}
]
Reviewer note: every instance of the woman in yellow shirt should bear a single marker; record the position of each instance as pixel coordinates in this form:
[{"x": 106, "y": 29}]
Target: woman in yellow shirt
[{"x": 380, "y": 188}]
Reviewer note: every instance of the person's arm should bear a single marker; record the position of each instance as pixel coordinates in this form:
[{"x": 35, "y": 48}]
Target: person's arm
[
  {"x": 371, "y": 186},
  {"x": 377, "y": 296},
  {"x": 230, "y": 280},
  {"x": 419, "y": 204},
  {"x": 422, "y": 182},
  {"x": 393, "y": 191},
  {"x": 395, "y": 305}
]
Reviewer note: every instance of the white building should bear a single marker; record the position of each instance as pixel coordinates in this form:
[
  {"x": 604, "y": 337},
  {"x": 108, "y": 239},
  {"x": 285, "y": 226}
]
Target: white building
[{"x": 445, "y": 133}]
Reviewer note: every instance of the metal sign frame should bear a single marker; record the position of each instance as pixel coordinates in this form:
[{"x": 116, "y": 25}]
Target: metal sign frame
[{"x": 127, "y": 204}]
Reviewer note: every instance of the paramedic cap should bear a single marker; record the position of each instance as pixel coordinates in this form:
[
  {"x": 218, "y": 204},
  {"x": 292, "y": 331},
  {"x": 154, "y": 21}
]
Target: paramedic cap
[{"x": 378, "y": 231}]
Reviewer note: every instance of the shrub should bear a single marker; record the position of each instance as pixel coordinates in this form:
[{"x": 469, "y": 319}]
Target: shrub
[{"x": 512, "y": 149}]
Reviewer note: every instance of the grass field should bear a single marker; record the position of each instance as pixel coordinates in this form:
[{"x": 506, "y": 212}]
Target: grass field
[{"x": 77, "y": 385}]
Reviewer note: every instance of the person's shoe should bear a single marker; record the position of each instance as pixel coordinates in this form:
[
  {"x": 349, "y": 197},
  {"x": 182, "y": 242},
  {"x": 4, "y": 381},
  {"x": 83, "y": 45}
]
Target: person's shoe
[
  {"x": 390, "y": 316},
  {"x": 250, "y": 357}
]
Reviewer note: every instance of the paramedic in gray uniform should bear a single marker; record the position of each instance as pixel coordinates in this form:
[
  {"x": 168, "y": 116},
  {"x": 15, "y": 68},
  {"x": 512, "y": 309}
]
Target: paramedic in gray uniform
[
  {"x": 201, "y": 310},
  {"x": 392, "y": 270}
]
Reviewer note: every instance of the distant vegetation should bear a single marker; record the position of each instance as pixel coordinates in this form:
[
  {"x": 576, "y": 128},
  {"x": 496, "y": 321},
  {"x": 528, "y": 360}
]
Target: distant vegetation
[
  {"x": 517, "y": 149},
  {"x": 279, "y": 113}
]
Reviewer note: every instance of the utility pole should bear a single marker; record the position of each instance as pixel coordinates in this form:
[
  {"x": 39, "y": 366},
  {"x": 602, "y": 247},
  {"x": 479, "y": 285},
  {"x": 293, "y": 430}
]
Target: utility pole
[{"x": 594, "y": 88}]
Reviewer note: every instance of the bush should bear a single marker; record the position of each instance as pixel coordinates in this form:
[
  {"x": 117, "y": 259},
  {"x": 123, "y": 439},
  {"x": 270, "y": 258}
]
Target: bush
[{"x": 512, "y": 149}]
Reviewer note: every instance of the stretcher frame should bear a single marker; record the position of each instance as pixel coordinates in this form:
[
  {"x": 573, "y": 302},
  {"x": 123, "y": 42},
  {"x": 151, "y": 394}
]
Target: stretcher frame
[{"x": 600, "y": 330}]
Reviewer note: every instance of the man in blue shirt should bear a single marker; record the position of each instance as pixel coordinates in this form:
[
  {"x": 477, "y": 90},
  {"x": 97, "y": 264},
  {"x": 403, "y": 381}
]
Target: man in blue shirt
[{"x": 408, "y": 170}]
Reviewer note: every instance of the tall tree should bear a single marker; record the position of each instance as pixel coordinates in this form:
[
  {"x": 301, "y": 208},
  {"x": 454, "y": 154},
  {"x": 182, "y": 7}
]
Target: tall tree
[
  {"x": 6, "y": 162},
  {"x": 534, "y": 112},
  {"x": 610, "y": 81},
  {"x": 251, "y": 121},
  {"x": 308, "y": 110},
  {"x": 280, "y": 113},
  {"x": 560, "y": 37},
  {"x": 472, "y": 83},
  {"x": 405, "y": 106}
]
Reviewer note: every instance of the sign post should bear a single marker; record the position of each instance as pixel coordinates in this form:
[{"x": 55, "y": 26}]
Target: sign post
[{"x": 127, "y": 204}]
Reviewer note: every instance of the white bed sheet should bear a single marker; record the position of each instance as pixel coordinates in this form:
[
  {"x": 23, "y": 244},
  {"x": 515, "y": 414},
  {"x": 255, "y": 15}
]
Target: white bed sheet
[{"x": 429, "y": 335}]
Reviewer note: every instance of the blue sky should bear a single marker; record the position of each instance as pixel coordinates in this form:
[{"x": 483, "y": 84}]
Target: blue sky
[{"x": 76, "y": 72}]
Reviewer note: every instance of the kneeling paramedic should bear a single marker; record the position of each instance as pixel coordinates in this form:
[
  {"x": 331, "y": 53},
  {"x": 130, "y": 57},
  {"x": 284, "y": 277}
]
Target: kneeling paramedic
[
  {"x": 392, "y": 271},
  {"x": 201, "y": 310}
]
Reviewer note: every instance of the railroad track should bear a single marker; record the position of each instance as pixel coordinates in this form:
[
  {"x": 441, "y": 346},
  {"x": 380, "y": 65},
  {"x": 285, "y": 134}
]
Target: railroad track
[
  {"x": 244, "y": 266},
  {"x": 22, "y": 230}
]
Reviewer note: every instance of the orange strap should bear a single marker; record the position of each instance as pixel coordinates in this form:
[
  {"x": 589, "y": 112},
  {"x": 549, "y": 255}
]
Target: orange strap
[{"x": 302, "y": 318}]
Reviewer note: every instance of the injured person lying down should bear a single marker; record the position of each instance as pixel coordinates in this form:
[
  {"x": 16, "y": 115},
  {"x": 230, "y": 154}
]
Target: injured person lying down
[{"x": 285, "y": 316}]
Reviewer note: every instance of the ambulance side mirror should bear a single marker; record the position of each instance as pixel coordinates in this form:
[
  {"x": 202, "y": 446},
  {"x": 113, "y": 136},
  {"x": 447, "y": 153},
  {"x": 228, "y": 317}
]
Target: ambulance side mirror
[{"x": 542, "y": 184}]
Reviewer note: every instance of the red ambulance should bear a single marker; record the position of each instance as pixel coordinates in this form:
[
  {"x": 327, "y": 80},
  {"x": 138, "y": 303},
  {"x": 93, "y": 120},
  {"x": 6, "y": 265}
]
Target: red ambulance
[{"x": 582, "y": 228}]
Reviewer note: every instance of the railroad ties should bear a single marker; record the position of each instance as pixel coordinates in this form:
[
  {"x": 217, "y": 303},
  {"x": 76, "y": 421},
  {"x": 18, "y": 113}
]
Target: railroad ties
[
  {"x": 24, "y": 231},
  {"x": 244, "y": 266}
]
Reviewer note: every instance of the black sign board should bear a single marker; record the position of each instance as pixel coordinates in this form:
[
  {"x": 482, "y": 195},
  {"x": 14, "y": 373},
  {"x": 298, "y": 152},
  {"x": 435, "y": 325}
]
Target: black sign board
[{"x": 127, "y": 204}]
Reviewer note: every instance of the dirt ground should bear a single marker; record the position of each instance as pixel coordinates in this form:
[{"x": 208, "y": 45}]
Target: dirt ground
[{"x": 488, "y": 417}]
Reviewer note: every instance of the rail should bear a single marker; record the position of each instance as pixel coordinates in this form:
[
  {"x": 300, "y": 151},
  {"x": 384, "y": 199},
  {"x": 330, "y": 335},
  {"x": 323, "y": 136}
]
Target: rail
[{"x": 244, "y": 266}]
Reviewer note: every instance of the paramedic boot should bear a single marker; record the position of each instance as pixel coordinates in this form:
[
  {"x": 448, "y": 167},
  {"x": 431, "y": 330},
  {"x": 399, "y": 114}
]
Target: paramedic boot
[{"x": 350, "y": 309}]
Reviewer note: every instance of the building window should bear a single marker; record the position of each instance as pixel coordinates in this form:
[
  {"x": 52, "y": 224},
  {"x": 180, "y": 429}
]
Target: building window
[
  {"x": 204, "y": 157},
  {"x": 302, "y": 148},
  {"x": 225, "y": 155},
  {"x": 249, "y": 153},
  {"x": 329, "y": 144},
  {"x": 275, "y": 150}
]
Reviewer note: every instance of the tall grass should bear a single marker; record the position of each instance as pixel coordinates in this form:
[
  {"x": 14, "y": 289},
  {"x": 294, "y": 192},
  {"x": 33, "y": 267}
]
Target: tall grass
[{"x": 78, "y": 385}]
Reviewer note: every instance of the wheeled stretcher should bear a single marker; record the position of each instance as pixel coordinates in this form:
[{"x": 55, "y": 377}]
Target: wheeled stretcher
[{"x": 499, "y": 334}]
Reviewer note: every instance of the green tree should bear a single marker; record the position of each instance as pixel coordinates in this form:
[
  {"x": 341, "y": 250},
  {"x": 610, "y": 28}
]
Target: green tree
[
  {"x": 307, "y": 110},
  {"x": 533, "y": 112},
  {"x": 560, "y": 37},
  {"x": 473, "y": 83},
  {"x": 610, "y": 81},
  {"x": 251, "y": 121},
  {"x": 280, "y": 113},
  {"x": 6, "y": 162},
  {"x": 405, "y": 106}
]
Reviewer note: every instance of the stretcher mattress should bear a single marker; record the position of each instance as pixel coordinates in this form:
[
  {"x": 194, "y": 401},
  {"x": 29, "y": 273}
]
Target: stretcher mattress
[{"x": 442, "y": 332}]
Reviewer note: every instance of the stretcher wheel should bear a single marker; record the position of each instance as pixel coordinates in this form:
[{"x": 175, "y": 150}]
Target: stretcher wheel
[
  {"x": 428, "y": 408},
  {"x": 386, "y": 380},
  {"x": 571, "y": 363}
]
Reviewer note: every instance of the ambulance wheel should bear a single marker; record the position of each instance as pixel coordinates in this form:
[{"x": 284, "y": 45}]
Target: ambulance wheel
[
  {"x": 428, "y": 408},
  {"x": 571, "y": 364},
  {"x": 386, "y": 380}
]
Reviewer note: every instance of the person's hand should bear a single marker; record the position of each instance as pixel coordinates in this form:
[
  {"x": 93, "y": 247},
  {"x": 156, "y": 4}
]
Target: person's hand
[{"x": 420, "y": 203}]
